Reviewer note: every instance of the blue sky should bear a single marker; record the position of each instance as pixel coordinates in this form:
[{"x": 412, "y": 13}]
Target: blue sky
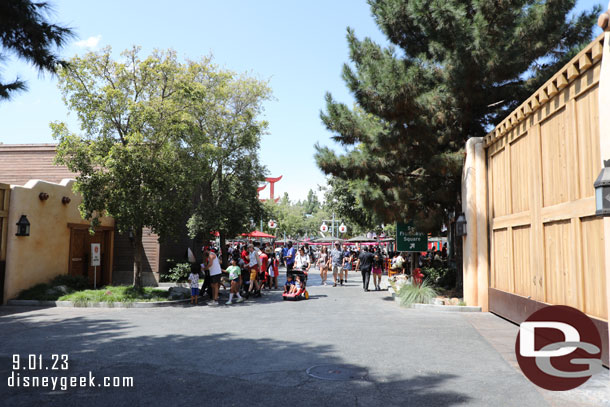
[{"x": 299, "y": 46}]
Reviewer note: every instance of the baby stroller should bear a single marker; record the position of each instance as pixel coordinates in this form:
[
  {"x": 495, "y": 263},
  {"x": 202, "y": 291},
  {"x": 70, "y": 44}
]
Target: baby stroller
[{"x": 302, "y": 294}]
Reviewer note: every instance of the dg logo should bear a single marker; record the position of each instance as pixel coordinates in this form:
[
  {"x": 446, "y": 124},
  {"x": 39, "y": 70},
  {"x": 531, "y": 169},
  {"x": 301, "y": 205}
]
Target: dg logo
[{"x": 558, "y": 348}]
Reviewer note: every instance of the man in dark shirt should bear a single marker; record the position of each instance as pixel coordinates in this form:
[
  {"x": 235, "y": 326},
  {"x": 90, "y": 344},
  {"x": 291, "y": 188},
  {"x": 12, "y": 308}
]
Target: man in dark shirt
[
  {"x": 365, "y": 263},
  {"x": 289, "y": 258}
]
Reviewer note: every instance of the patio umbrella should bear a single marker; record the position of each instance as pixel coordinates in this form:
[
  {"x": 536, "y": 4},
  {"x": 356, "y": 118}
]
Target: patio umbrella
[{"x": 257, "y": 234}]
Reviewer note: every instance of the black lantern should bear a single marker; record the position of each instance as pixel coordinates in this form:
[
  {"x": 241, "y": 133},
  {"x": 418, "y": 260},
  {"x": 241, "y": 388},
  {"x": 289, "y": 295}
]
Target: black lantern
[
  {"x": 23, "y": 226},
  {"x": 602, "y": 191},
  {"x": 460, "y": 225}
]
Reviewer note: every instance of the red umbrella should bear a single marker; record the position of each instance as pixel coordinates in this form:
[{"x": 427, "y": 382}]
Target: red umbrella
[{"x": 257, "y": 234}]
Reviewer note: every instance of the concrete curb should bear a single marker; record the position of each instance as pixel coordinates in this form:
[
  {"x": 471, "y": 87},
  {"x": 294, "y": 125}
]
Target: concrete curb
[
  {"x": 169, "y": 285},
  {"x": 434, "y": 307},
  {"x": 70, "y": 304}
]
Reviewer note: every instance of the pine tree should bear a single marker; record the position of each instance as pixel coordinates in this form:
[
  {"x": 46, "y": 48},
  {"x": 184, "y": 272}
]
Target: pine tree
[
  {"x": 25, "y": 31},
  {"x": 455, "y": 68}
]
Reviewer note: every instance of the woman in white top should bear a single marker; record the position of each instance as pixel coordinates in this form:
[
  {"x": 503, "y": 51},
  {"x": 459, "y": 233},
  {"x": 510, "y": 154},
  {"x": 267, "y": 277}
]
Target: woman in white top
[
  {"x": 323, "y": 265},
  {"x": 301, "y": 261},
  {"x": 212, "y": 264}
]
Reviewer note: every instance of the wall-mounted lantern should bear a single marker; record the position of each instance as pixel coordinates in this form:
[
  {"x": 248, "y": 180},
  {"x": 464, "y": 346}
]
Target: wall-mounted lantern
[
  {"x": 460, "y": 225},
  {"x": 602, "y": 191},
  {"x": 43, "y": 196},
  {"x": 65, "y": 200},
  {"x": 23, "y": 226}
]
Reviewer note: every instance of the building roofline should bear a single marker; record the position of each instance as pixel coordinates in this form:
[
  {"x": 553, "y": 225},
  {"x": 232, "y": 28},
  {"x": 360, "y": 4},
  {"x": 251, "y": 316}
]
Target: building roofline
[{"x": 28, "y": 147}]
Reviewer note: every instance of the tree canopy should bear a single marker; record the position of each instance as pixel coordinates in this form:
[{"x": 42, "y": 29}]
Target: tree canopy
[
  {"x": 163, "y": 141},
  {"x": 129, "y": 152},
  {"x": 26, "y": 31},
  {"x": 224, "y": 129},
  {"x": 454, "y": 69}
]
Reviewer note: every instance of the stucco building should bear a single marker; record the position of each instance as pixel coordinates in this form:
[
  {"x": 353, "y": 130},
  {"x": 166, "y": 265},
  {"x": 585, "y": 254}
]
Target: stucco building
[{"x": 59, "y": 241}]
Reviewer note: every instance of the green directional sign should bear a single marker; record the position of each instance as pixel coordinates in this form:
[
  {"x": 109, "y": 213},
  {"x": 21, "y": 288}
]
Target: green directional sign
[{"x": 409, "y": 240}]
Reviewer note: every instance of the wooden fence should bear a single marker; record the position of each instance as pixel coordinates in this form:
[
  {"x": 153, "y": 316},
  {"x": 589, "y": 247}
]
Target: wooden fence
[{"x": 546, "y": 244}]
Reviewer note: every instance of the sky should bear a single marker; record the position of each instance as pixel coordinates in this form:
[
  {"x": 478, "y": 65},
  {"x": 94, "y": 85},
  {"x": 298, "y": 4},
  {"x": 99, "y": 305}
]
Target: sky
[{"x": 298, "y": 46}]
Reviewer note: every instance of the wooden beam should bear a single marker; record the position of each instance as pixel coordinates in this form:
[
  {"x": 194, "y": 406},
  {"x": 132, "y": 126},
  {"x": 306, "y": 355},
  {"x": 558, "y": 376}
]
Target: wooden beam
[
  {"x": 597, "y": 51},
  {"x": 572, "y": 72},
  {"x": 542, "y": 96},
  {"x": 584, "y": 63},
  {"x": 562, "y": 81},
  {"x": 551, "y": 89}
]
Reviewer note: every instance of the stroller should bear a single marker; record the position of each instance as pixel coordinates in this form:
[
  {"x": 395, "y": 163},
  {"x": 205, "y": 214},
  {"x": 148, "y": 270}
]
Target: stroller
[{"x": 302, "y": 294}]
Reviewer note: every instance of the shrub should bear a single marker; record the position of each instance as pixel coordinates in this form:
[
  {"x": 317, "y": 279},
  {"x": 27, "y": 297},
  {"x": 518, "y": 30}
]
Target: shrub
[
  {"x": 441, "y": 276},
  {"x": 421, "y": 294},
  {"x": 180, "y": 272},
  {"x": 47, "y": 291},
  {"x": 76, "y": 283}
]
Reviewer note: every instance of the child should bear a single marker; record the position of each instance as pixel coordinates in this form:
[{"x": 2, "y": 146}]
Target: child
[
  {"x": 297, "y": 286},
  {"x": 289, "y": 284},
  {"x": 234, "y": 277},
  {"x": 276, "y": 270},
  {"x": 194, "y": 280},
  {"x": 377, "y": 270}
]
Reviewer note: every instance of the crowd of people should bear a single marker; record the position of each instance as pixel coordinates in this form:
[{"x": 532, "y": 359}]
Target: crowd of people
[{"x": 254, "y": 267}]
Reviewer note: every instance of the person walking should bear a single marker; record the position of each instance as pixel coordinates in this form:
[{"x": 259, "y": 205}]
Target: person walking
[
  {"x": 347, "y": 263},
  {"x": 289, "y": 258},
  {"x": 212, "y": 264},
  {"x": 377, "y": 270},
  {"x": 274, "y": 266},
  {"x": 336, "y": 260},
  {"x": 365, "y": 264},
  {"x": 235, "y": 279},
  {"x": 254, "y": 265},
  {"x": 323, "y": 265},
  {"x": 263, "y": 272}
]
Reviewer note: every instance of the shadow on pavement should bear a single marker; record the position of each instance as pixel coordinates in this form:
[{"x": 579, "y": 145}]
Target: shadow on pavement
[{"x": 196, "y": 366}]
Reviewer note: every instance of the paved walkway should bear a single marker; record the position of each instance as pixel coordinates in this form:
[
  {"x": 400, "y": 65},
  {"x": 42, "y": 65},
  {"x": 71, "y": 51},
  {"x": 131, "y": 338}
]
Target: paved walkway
[{"x": 258, "y": 352}]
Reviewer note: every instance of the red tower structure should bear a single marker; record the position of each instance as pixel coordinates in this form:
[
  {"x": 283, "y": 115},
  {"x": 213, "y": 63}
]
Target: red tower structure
[{"x": 271, "y": 182}]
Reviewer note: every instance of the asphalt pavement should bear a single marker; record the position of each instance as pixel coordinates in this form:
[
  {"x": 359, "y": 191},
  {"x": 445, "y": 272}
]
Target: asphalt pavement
[{"x": 259, "y": 353}]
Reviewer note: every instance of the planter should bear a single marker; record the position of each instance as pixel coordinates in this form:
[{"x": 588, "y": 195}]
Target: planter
[{"x": 436, "y": 307}]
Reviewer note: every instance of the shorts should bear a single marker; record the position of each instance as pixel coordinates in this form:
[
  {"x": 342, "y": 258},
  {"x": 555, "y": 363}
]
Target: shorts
[
  {"x": 215, "y": 279},
  {"x": 194, "y": 292},
  {"x": 336, "y": 270},
  {"x": 235, "y": 280},
  {"x": 253, "y": 273},
  {"x": 376, "y": 270}
]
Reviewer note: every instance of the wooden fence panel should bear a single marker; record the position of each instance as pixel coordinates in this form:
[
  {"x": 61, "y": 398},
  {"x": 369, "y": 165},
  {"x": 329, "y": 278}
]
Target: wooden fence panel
[
  {"x": 523, "y": 273},
  {"x": 545, "y": 243},
  {"x": 593, "y": 268}
]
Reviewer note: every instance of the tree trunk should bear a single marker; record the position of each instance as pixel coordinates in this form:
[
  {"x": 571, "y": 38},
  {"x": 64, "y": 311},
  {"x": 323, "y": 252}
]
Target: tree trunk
[{"x": 137, "y": 258}]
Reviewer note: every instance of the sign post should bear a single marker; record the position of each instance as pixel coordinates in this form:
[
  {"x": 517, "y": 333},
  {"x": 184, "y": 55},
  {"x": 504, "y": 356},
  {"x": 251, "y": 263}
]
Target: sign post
[
  {"x": 95, "y": 260},
  {"x": 409, "y": 240}
]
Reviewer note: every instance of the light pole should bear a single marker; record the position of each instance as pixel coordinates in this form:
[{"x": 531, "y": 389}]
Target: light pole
[{"x": 338, "y": 229}]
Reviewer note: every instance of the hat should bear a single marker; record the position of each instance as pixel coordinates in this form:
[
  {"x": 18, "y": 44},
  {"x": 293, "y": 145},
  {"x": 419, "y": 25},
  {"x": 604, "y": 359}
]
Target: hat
[{"x": 337, "y": 242}]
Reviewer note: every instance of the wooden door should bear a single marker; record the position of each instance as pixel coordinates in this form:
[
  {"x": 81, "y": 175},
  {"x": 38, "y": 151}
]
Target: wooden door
[{"x": 78, "y": 256}]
